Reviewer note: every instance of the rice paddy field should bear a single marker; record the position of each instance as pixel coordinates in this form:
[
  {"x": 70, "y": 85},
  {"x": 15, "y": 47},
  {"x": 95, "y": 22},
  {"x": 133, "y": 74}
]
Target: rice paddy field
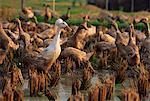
[{"x": 88, "y": 54}]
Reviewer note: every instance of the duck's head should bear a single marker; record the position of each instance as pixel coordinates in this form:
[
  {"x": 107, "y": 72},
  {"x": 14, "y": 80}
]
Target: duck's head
[
  {"x": 86, "y": 18},
  {"x": 144, "y": 20},
  {"x": 130, "y": 28},
  {"x": 62, "y": 25}
]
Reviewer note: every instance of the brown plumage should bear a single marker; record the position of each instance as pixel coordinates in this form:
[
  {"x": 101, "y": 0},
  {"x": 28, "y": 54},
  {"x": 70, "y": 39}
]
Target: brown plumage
[
  {"x": 76, "y": 54},
  {"x": 6, "y": 40},
  {"x": 143, "y": 83},
  {"x": 23, "y": 35},
  {"x": 120, "y": 41},
  {"x": 77, "y": 39},
  {"x": 6, "y": 44},
  {"x": 28, "y": 12},
  {"x": 67, "y": 15},
  {"x": 44, "y": 60},
  {"x": 106, "y": 37},
  {"x": 48, "y": 14},
  {"x": 132, "y": 50},
  {"x": 145, "y": 46}
]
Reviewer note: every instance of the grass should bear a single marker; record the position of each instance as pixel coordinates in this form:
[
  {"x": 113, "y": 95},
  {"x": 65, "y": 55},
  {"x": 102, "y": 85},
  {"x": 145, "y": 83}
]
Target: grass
[
  {"x": 105, "y": 23},
  {"x": 77, "y": 12}
]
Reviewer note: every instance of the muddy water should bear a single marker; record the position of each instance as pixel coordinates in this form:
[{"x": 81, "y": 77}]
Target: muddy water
[{"x": 62, "y": 90}]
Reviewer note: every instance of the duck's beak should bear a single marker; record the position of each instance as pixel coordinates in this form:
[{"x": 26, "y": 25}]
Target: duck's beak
[{"x": 68, "y": 29}]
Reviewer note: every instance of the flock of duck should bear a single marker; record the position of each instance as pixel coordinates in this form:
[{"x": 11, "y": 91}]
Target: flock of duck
[{"x": 44, "y": 52}]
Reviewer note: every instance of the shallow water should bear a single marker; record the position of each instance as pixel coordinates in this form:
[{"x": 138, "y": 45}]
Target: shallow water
[{"x": 63, "y": 89}]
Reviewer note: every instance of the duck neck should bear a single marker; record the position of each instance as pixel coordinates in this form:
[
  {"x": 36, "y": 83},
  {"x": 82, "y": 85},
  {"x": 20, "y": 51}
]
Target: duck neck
[
  {"x": 119, "y": 36},
  {"x": 47, "y": 9},
  {"x": 115, "y": 26},
  {"x": 20, "y": 28},
  {"x": 57, "y": 36},
  {"x": 130, "y": 38},
  {"x": 68, "y": 11}
]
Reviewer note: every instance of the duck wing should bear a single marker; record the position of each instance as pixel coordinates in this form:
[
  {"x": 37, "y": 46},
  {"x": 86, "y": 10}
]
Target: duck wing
[
  {"x": 130, "y": 52},
  {"x": 102, "y": 46},
  {"x": 74, "y": 53}
]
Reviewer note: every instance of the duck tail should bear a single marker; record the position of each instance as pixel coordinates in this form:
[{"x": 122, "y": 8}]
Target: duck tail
[{"x": 88, "y": 55}]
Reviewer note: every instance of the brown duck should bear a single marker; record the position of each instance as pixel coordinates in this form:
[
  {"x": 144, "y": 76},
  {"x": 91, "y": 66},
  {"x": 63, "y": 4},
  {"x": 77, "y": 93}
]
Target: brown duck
[{"x": 132, "y": 50}]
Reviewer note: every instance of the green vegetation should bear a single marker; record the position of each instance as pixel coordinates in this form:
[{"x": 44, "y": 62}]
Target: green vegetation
[{"x": 77, "y": 12}]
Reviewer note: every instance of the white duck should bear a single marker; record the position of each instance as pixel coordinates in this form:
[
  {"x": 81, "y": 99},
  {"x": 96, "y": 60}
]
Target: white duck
[{"x": 49, "y": 55}]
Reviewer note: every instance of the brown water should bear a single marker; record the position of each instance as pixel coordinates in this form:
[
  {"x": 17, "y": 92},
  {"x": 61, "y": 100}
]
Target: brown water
[{"x": 63, "y": 89}]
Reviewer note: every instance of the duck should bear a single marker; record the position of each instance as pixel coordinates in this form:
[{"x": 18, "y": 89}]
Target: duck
[
  {"x": 106, "y": 37},
  {"x": 67, "y": 15},
  {"x": 91, "y": 30},
  {"x": 145, "y": 44},
  {"x": 82, "y": 34},
  {"x": 103, "y": 46},
  {"x": 14, "y": 36},
  {"x": 35, "y": 40},
  {"x": 23, "y": 35},
  {"x": 76, "y": 40},
  {"x": 6, "y": 40},
  {"x": 29, "y": 14},
  {"x": 48, "y": 33},
  {"x": 140, "y": 36},
  {"x": 48, "y": 14},
  {"x": 41, "y": 26},
  {"x": 76, "y": 54},
  {"x": 44, "y": 60},
  {"x": 28, "y": 11},
  {"x": 120, "y": 41},
  {"x": 132, "y": 50}
]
